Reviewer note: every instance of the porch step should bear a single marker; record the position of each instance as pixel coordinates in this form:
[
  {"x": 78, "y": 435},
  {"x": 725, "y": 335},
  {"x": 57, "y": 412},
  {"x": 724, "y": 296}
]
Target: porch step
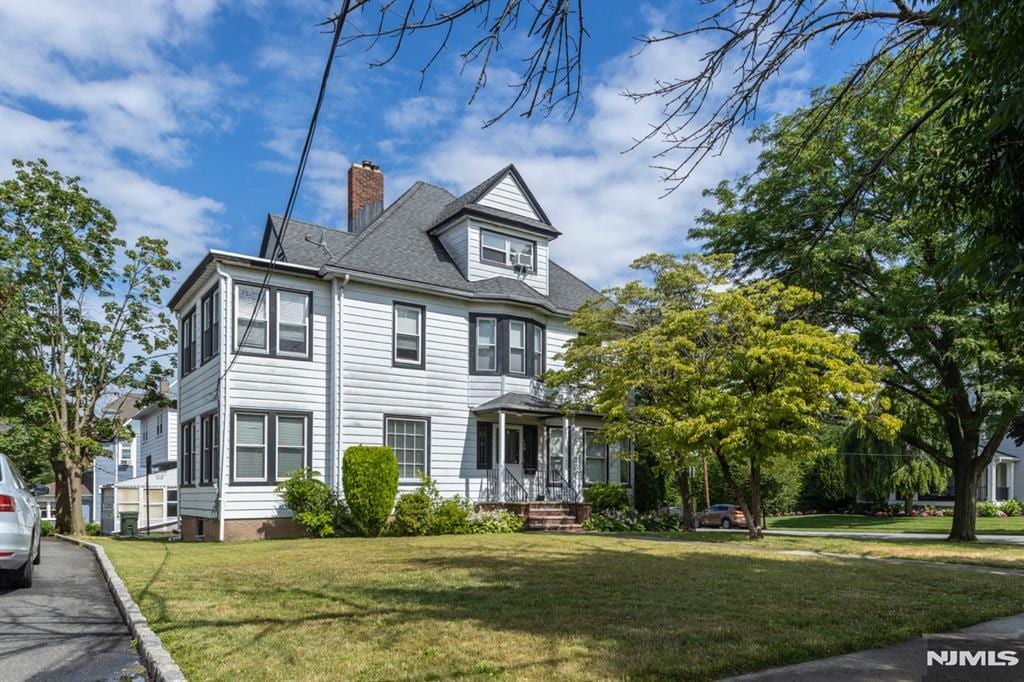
[
  {"x": 552, "y": 521},
  {"x": 555, "y": 527}
]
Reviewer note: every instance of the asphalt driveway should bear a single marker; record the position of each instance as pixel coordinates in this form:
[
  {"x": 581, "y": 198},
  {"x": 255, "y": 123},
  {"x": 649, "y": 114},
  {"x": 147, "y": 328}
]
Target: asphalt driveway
[{"x": 66, "y": 626}]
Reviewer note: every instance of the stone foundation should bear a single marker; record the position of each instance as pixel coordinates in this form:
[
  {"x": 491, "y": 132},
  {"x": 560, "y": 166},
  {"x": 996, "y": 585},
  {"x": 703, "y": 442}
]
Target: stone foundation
[{"x": 240, "y": 529}]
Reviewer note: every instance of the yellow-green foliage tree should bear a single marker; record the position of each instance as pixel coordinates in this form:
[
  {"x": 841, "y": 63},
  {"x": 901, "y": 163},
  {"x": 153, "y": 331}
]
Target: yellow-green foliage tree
[{"x": 696, "y": 367}]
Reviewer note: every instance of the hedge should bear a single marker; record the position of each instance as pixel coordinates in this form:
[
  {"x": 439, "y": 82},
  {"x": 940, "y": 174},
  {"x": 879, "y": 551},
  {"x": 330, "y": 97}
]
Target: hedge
[{"x": 370, "y": 481}]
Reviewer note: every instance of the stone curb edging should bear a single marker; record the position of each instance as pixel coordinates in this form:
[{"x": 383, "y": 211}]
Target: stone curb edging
[{"x": 158, "y": 662}]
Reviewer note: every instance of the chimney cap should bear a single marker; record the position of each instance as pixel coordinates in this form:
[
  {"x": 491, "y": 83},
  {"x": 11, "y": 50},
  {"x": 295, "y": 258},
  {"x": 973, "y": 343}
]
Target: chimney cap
[{"x": 366, "y": 163}]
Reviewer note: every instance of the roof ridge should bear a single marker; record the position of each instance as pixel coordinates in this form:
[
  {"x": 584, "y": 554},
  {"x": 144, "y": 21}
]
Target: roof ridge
[{"x": 416, "y": 186}]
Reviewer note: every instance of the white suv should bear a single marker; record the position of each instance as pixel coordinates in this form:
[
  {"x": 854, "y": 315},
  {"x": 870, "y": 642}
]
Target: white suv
[{"x": 19, "y": 525}]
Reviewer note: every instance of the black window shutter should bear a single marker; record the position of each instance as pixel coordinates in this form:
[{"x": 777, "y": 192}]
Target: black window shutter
[
  {"x": 484, "y": 449},
  {"x": 529, "y": 449}
]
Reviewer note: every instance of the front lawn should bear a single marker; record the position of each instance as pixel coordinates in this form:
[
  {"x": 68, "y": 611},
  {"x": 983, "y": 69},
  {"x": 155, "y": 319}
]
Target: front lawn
[
  {"x": 530, "y": 606},
  {"x": 894, "y": 524}
]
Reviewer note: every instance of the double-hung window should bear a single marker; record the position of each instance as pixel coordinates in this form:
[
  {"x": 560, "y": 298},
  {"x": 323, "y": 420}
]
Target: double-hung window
[
  {"x": 506, "y": 345},
  {"x": 250, "y": 446},
  {"x": 210, "y": 324},
  {"x": 145, "y": 430},
  {"x": 172, "y": 503},
  {"x": 126, "y": 453},
  {"x": 188, "y": 452},
  {"x": 517, "y": 347},
  {"x": 617, "y": 462},
  {"x": 159, "y": 424},
  {"x": 505, "y": 250},
  {"x": 291, "y": 444},
  {"x": 596, "y": 458},
  {"x": 251, "y": 318},
  {"x": 556, "y": 455},
  {"x": 487, "y": 344},
  {"x": 188, "y": 342},
  {"x": 211, "y": 446},
  {"x": 409, "y": 438},
  {"x": 292, "y": 323},
  {"x": 409, "y": 339}
]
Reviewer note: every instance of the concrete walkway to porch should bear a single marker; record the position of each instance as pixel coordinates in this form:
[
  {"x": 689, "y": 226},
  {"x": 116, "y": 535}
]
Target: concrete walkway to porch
[{"x": 908, "y": 660}]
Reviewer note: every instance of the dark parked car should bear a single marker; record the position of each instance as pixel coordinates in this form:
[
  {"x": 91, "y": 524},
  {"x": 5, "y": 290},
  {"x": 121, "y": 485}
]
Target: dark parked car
[{"x": 721, "y": 516}]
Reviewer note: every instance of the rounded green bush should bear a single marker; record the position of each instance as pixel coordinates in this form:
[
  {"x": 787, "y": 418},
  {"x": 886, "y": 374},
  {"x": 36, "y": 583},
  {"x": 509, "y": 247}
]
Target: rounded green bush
[
  {"x": 604, "y": 497},
  {"x": 370, "y": 481},
  {"x": 413, "y": 513}
]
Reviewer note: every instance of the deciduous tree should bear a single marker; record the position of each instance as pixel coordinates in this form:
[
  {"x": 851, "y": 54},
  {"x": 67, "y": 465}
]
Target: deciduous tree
[{"x": 83, "y": 319}]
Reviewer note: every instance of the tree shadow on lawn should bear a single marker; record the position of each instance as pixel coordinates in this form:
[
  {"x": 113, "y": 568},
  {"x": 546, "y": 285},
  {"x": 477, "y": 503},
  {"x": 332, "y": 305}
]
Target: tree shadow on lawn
[{"x": 640, "y": 609}]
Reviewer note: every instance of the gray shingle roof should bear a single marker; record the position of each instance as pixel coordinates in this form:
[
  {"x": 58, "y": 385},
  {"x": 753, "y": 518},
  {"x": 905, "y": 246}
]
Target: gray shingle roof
[
  {"x": 398, "y": 245},
  {"x": 518, "y": 402}
]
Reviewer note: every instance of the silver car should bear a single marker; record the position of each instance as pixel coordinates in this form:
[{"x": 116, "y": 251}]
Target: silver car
[{"x": 19, "y": 525}]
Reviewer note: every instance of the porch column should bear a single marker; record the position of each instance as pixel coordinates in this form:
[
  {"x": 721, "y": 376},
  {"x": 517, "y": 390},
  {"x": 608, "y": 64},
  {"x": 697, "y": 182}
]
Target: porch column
[
  {"x": 1009, "y": 480},
  {"x": 501, "y": 456},
  {"x": 992, "y": 480},
  {"x": 567, "y": 464}
]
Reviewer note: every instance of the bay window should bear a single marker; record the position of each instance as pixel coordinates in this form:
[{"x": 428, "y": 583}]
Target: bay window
[
  {"x": 502, "y": 344},
  {"x": 487, "y": 344},
  {"x": 517, "y": 347}
]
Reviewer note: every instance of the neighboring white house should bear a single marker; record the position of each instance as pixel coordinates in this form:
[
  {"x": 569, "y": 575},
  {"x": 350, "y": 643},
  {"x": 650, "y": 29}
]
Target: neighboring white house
[
  {"x": 1002, "y": 479},
  {"x": 422, "y": 327},
  {"x": 156, "y": 437}
]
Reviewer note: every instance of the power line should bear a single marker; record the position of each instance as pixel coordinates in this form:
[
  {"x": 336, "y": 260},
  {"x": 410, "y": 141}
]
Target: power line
[{"x": 339, "y": 23}]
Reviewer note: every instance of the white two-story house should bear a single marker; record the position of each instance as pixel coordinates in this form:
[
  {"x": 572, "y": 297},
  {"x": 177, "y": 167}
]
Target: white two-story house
[{"x": 423, "y": 326}]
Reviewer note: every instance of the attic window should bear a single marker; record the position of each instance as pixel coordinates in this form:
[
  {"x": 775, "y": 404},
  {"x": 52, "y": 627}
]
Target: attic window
[{"x": 505, "y": 250}]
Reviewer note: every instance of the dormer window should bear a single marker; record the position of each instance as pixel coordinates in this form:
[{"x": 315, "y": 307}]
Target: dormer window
[{"x": 504, "y": 250}]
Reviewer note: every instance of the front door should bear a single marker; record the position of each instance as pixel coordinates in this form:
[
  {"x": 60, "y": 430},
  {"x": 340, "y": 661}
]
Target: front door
[{"x": 514, "y": 451}]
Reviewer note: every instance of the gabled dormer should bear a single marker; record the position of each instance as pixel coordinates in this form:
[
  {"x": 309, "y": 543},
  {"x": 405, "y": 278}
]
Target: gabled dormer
[{"x": 497, "y": 229}]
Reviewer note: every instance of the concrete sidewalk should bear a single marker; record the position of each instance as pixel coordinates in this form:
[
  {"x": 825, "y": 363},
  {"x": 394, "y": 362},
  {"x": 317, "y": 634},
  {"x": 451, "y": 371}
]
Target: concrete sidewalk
[
  {"x": 867, "y": 535},
  {"x": 909, "y": 660}
]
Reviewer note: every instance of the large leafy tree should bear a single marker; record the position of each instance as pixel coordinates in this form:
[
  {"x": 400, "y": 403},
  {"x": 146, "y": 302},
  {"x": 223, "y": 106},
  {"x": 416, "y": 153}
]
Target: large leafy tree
[
  {"x": 694, "y": 367},
  {"x": 874, "y": 468},
  {"x": 82, "y": 322},
  {"x": 887, "y": 266}
]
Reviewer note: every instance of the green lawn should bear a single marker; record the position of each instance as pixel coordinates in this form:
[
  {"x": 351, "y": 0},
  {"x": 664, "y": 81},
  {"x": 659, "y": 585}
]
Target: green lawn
[
  {"x": 896, "y": 524},
  {"x": 531, "y": 606}
]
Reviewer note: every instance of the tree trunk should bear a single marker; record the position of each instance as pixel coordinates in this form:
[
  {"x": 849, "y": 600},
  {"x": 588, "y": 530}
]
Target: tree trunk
[
  {"x": 908, "y": 504},
  {"x": 68, "y": 489},
  {"x": 966, "y": 472},
  {"x": 755, "y": 521},
  {"x": 736, "y": 491},
  {"x": 683, "y": 483}
]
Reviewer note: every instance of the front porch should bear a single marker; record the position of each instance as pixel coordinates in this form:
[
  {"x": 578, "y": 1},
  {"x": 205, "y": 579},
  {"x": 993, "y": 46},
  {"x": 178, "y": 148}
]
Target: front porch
[{"x": 531, "y": 453}]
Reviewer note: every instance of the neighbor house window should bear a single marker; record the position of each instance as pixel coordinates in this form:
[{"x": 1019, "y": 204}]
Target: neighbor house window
[
  {"x": 408, "y": 334},
  {"x": 126, "y": 453},
  {"x": 172, "y": 503},
  {"x": 145, "y": 430},
  {"x": 250, "y": 447},
  {"x": 291, "y": 445},
  {"x": 211, "y": 442},
  {"x": 211, "y": 325},
  {"x": 188, "y": 452},
  {"x": 556, "y": 458},
  {"x": 504, "y": 250},
  {"x": 487, "y": 344},
  {"x": 159, "y": 424},
  {"x": 408, "y": 438},
  {"x": 292, "y": 323},
  {"x": 250, "y": 318},
  {"x": 596, "y": 458},
  {"x": 188, "y": 342}
]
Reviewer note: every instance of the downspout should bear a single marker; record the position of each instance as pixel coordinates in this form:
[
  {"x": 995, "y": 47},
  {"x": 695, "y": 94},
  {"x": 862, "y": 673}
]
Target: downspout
[
  {"x": 222, "y": 400},
  {"x": 338, "y": 294}
]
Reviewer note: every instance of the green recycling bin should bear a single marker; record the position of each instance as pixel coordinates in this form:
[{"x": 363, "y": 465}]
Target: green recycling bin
[{"x": 129, "y": 524}]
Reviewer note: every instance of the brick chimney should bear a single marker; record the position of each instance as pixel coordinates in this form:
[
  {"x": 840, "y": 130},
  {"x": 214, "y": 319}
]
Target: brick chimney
[{"x": 365, "y": 195}]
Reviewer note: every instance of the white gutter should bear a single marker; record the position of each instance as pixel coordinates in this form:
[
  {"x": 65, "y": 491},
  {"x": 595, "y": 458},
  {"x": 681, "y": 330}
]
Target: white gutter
[
  {"x": 223, "y": 412},
  {"x": 338, "y": 376}
]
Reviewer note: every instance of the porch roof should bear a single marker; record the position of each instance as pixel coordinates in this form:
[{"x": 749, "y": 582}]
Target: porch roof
[
  {"x": 518, "y": 402},
  {"x": 524, "y": 403}
]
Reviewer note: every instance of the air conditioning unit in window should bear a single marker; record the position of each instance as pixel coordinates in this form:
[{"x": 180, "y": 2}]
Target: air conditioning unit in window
[{"x": 522, "y": 262}]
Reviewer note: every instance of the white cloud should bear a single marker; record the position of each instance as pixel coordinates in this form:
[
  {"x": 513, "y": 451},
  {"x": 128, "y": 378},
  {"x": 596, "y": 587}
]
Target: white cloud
[
  {"x": 107, "y": 101},
  {"x": 418, "y": 112}
]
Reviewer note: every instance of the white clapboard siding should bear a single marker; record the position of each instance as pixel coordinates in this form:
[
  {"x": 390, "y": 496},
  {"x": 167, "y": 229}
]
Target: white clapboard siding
[
  {"x": 507, "y": 195},
  {"x": 478, "y": 270},
  {"x": 456, "y": 242}
]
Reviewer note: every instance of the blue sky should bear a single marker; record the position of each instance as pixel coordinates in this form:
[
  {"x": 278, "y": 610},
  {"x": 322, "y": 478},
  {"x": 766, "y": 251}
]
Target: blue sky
[{"x": 186, "y": 119}]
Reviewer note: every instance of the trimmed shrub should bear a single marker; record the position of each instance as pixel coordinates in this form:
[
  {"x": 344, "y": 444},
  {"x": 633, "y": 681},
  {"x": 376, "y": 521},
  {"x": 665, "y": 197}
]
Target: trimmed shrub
[
  {"x": 987, "y": 509},
  {"x": 451, "y": 517},
  {"x": 613, "y": 521},
  {"x": 317, "y": 509},
  {"x": 605, "y": 497},
  {"x": 414, "y": 510},
  {"x": 47, "y": 528},
  {"x": 92, "y": 528},
  {"x": 370, "y": 481},
  {"x": 498, "y": 521},
  {"x": 1013, "y": 508}
]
